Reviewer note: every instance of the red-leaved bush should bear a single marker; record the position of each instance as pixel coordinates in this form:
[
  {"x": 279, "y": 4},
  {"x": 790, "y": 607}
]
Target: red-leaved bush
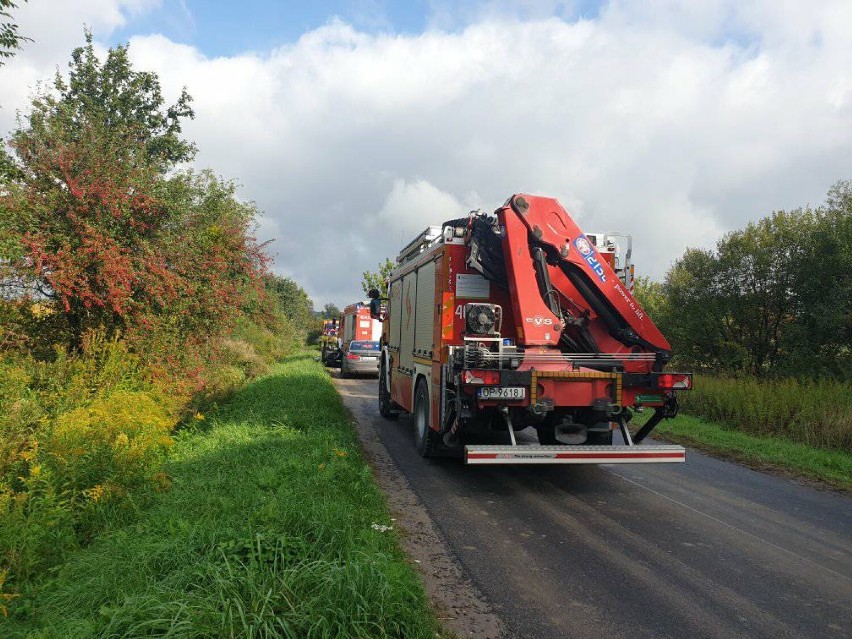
[{"x": 120, "y": 246}]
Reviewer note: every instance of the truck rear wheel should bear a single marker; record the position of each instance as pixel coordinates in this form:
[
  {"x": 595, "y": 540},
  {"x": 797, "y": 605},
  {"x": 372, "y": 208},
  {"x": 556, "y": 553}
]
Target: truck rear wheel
[
  {"x": 427, "y": 440},
  {"x": 386, "y": 407}
]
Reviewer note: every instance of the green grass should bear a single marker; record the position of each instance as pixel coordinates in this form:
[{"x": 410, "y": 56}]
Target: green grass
[
  {"x": 833, "y": 467},
  {"x": 265, "y": 532}
]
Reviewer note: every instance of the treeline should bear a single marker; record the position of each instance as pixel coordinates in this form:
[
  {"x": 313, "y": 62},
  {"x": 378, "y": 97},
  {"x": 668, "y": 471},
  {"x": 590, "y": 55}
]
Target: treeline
[
  {"x": 773, "y": 300},
  {"x": 766, "y": 321},
  {"x": 132, "y": 296}
]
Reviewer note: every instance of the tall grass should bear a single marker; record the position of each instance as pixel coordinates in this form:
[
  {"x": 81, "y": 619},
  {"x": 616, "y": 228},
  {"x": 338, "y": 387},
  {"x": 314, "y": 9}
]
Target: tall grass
[
  {"x": 817, "y": 413},
  {"x": 265, "y": 532},
  {"x": 84, "y": 435}
]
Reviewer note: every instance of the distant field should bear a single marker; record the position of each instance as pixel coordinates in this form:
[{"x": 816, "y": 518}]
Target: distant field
[{"x": 273, "y": 527}]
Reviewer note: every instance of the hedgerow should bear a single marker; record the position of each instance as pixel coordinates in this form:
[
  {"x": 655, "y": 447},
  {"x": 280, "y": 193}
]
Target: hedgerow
[{"x": 132, "y": 296}]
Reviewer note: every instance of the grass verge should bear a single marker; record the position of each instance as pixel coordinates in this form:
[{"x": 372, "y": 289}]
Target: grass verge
[
  {"x": 832, "y": 467},
  {"x": 267, "y": 531}
]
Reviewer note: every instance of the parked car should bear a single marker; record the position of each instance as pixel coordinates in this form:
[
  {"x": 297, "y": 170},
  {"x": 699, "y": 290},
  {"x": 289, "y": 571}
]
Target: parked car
[{"x": 360, "y": 357}]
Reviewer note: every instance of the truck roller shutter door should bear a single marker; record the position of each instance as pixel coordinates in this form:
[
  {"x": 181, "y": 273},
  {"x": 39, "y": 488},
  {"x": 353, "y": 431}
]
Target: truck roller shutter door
[
  {"x": 425, "y": 313},
  {"x": 395, "y": 311},
  {"x": 406, "y": 341}
]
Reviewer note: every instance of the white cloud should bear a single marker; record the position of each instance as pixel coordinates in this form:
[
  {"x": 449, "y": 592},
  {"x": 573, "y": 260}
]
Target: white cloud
[
  {"x": 672, "y": 121},
  {"x": 55, "y": 28},
  {"x": 409, "y": 204}
]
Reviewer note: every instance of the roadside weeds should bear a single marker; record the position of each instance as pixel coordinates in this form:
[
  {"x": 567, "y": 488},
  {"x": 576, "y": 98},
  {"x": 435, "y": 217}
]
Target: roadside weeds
[{"x": 266, "y": 531}]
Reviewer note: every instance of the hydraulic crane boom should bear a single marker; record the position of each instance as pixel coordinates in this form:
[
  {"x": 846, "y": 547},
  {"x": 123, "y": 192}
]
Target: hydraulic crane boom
[{"x": 577, "y": 291}]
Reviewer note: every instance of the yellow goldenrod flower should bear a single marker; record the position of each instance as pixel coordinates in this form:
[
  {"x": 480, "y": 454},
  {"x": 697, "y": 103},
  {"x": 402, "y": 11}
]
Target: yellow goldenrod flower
[{"x": 95, "y": 493}]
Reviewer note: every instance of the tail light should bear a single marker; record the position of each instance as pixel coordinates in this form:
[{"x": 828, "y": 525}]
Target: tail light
[
  {"x": 352, "y": 356},
  {"x": 674, "y": 381},
  {"x": 481, "y": 377}
]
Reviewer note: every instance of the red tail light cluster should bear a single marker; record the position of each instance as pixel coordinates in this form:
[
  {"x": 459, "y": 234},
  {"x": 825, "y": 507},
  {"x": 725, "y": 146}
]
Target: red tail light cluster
[
  {"x": 674, "y": 381},
  {"x": 481, "y": 377},
  {"x": 352, "y": 356}
]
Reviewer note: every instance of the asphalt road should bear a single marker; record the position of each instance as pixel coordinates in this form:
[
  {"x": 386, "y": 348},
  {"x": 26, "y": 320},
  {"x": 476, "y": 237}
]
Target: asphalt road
[{"x": 702, "y": 549}]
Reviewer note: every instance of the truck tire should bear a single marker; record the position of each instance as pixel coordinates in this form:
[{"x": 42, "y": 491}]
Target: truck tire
[
  {"x": 386, "y": 408},
  {"x": 427, "y": 440}
]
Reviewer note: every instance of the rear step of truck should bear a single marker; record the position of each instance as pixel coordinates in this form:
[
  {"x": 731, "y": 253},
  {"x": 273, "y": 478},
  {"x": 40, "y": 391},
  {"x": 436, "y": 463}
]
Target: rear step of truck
[{"x": 534, "y": 454}]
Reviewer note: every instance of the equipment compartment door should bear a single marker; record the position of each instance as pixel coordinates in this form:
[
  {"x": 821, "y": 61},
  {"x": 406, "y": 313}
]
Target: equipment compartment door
[
  {"x": 425, "y": 314},
  {"x": 406, "y": 342}
]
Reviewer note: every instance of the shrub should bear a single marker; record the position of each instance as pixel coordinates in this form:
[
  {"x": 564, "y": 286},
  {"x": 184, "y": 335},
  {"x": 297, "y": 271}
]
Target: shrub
[
  {"x": 103, "y": 450},
  {"x": 273, "y": 338},
  {"x": 78, "y": 473},
  {"x": 817, "y": 413},
  {"x": 78, "y": 433},
  {"x": 243, "y": 355},
  {"x": 223, "y": 381}
]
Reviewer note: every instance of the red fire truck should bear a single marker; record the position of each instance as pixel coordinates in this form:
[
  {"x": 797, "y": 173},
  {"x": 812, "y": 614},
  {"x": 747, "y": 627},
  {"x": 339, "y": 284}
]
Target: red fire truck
[
  {"x": 356, "y": 324},
  {"x": 518, "y": 319},
  {"x": 359, "y": 340}
]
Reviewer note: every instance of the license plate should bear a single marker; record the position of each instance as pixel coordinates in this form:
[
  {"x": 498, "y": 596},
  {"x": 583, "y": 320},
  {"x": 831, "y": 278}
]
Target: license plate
[
  {"x": 502, "y": 392},
  {"x": 369, "y": 359}
]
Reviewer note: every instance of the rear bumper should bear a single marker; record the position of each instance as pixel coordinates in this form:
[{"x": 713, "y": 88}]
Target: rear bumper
[
  {"x": 362, "y": 367},
  {"x": 534, "y": 454}
]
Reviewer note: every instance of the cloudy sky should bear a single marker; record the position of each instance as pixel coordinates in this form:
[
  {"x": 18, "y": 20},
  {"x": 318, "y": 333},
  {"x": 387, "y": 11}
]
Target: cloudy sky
[{"x": 356, "y": 123}]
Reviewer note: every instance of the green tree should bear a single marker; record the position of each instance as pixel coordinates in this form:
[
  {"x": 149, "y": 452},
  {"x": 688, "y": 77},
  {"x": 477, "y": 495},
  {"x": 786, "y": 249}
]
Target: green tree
[
  {"x": 378, "y": 279},
  {"x": 819, "y": 341},
  {"x": 93, "y": 221},
  {"x": 694, "y": 324},
  {"x": 10, "y": 39},
  {"x": 10, "y": 43},
  {"x": 126, "y": 105},
  {"x": 651, "y": 298},
  {"x": 774, "y": 298},
  {"x": 330, "y": 311},
  {"x": 755, "y": 278},
  {"x": 291, "y": 299},
  {"x": 734, "y": 304}
]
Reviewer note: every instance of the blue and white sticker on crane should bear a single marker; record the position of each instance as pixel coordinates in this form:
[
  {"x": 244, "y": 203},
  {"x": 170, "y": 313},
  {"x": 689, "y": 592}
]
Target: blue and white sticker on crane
[{"x": 588, "y": 252}]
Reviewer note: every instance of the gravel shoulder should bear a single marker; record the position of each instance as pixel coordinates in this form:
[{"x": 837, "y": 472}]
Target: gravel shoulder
[{"x": 459, "y": 605}]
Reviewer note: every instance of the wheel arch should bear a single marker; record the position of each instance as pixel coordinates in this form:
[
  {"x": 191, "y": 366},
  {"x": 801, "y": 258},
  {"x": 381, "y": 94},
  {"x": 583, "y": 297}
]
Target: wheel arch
[{"x": 418, "y": 377}]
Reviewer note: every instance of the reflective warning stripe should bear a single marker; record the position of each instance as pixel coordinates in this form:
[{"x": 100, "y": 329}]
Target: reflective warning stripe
[
  {"x": 582, "y": 456},
  {"x": 532, "y": 454}
]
